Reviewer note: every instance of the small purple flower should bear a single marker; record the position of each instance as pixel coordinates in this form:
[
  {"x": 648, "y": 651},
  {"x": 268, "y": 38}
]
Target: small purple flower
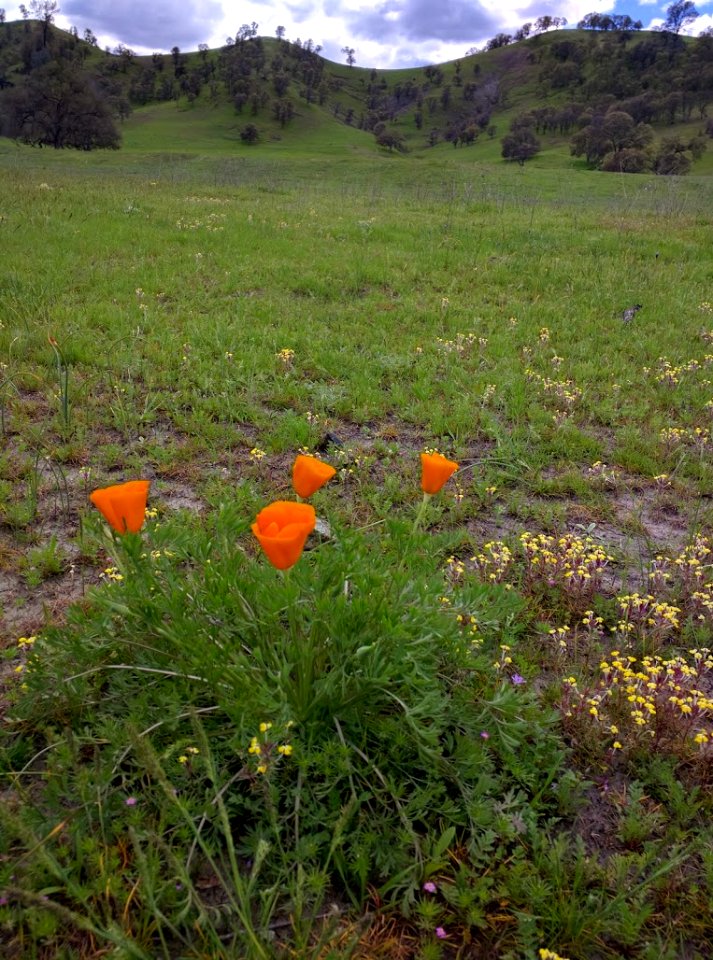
[
  {"x": 484, "y": 735},
  {"x": 517, "y": 679},
  {"x": 441, "y": 933},
  {"x": 131, "y": 801},
  {"x": 4, "y": 901},
  {"x": 429, "y": 886}
]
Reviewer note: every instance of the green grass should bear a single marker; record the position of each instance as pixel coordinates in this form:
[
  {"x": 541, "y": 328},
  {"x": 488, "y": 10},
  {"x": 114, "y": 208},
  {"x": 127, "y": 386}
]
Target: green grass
[{"x": 432, "y": 300}]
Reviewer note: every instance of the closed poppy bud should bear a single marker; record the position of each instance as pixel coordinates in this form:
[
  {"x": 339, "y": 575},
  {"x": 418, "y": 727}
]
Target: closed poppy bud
[
  {"x": 282, "y": 529},
  {"x": 309, "y": 474},
  {"x": 123, "y": 505},
  {"x": 435, "y": 470}
]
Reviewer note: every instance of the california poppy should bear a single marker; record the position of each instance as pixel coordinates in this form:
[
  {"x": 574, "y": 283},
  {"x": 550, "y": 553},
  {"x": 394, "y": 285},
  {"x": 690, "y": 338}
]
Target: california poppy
[
  {"x": 309, "y": 474},
  {"x": 435, "y": 470},
  {"x": 282, "y": 529},
  {"x": 123, "y": 505}
]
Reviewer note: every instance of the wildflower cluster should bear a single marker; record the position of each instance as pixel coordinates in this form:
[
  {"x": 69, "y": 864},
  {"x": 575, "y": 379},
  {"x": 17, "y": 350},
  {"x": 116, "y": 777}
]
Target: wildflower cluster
[
  {"x": 564, "y": 393},
  {"x": 265, "y": 751},
  {"x": 221, "y": 201},
  {"x": 698, "y": 437},
  {"x": 211, "y": 223},
  {"x": 469, "y": 626},
  {"x": 569, "y": 641},
  {"x": 602, "y": 474},
  {"x": 504, "y": 661},
  {"x": 654, "y": 700},
  {"x": 646, "y": 618},
  {"x": 25, "y": 646},
  {"x": 688, "y": 578},
  {"x": 488, "y": 393},
  {"x": 494, "y": 562},
  {"x": 572, "y": 564},
  {"x": 455, "y": 569},
  {"x": 286, "y": 356},
  {"x": 462, "y": 344},
  {"x": 545, "y": 954},
  {"x": 353, "y": 464},
  {"x": 575, "y": 564},
  {"x": 158, "y": 554},
  {"x": 670, "y": 374}
]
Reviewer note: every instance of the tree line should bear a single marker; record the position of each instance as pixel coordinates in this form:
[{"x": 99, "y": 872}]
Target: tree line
[{"x": 58, "y": 102}]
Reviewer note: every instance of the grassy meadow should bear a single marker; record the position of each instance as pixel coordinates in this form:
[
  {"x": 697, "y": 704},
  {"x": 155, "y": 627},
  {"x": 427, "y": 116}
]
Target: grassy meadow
[{"x": 479, "y": 725}]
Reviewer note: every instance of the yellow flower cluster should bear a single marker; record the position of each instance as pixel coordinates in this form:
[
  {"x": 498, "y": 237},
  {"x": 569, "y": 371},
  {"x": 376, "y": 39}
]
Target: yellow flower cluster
[
  {"x": 286, "y": 355},
  {"x": 575, "y": 563},
  {"x": 505, "y": 660},
  {"x": 567, "y": 638},
  {"x": 462, "y": 343},
  {"x": 693, "y": 436},
  {"x": 354, "y": 463},
  {"x": 264, "y": 749},
  {"x": 488, "y": 393},
  {"x": 560, "y": 635},
  {"x": 545, "y": 954},
  {"x": 469, "y": 624},
  {"x": 190, "y": 752},
  {"x": 564, "y": 392},
  {"x": 212, "y": 223},
  {"x": 663, "y": 699},
  {"x": 599, "y": 471},
  {"x": 670, "y": 374},
  {"x": 494, "y": 561},
  {"x": 455, "y": 569},
  {"x": 221, "y": 201},
  {"x": 688, "y": 577},
  {"x": 643, "y": 612}
]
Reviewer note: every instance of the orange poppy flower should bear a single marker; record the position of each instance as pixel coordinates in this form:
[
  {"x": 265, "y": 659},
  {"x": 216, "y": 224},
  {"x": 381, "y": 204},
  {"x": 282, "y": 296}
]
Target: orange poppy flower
[
  {"x": 123, "y": 505},
  {"x": 435, "y": 470},
  {"x": 282, "y": 529},
  {"x": 309, "y": 474}
]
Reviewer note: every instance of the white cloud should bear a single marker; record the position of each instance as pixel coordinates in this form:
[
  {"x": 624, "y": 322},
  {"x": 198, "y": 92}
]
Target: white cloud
[
  {"x": 383, "y": 33},
  {"x": 704, "y": 22}
]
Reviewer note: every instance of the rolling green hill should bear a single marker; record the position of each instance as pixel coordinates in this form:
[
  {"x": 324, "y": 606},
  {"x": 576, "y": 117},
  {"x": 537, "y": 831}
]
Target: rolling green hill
[{"x": 271, "y": 94}]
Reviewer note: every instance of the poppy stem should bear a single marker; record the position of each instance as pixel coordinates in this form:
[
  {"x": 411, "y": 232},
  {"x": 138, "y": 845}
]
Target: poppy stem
[{"x": 421, "y": 512}]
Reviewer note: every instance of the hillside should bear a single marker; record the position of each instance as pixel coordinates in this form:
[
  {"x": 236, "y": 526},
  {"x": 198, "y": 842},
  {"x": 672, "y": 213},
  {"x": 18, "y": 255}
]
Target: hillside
[{"x": 264, "y": 91}]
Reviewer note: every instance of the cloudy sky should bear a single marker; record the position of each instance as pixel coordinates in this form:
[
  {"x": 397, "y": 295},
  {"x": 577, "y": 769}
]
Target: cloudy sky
[{"x": 383, "y": 33}]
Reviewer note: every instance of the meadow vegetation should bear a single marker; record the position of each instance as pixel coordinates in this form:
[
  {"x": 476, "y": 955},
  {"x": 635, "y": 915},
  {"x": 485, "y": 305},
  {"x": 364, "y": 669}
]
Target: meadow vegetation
[{"x": 478, "y": 725}]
